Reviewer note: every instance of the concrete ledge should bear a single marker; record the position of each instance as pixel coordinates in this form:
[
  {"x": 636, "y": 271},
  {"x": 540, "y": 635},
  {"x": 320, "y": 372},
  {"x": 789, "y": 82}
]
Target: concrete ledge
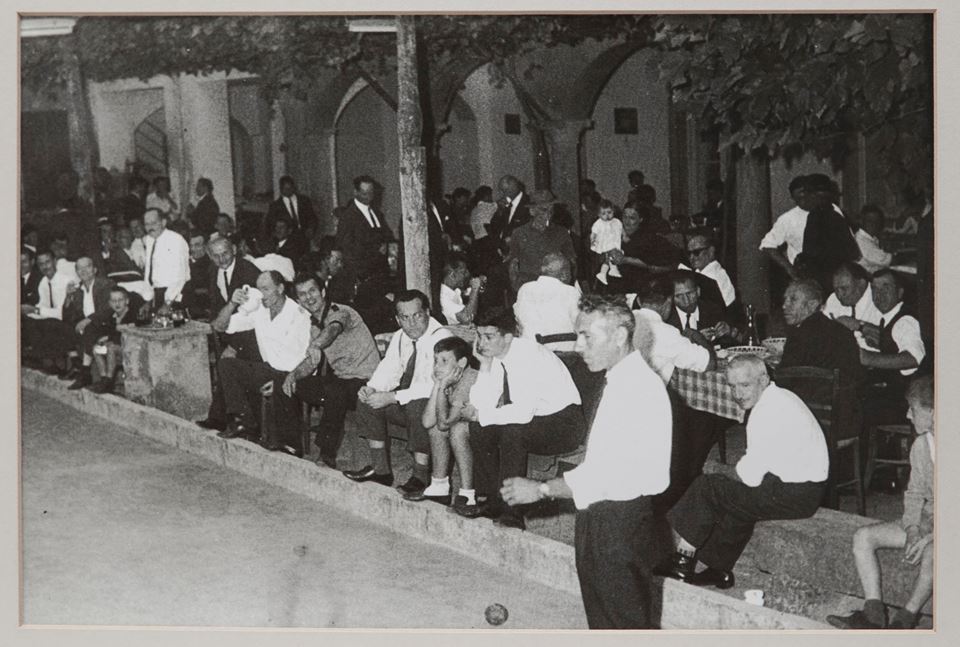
[{"x": 528, "y": 555}]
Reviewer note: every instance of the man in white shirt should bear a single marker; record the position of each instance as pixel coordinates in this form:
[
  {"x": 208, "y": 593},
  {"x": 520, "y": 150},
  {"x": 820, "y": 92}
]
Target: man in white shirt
[
  {"x": 167, "y": 265},
  {"x": 896, "y": 351},
  {"x": 627, "y": 462},
  {"x": 872, "y": 255},
  {"x": 549, "y": 305},
  {"x": 703, "y": 257},
  {"x": 398, "y": 392},
  {"x": 788, "y": 230},
  {"x": 282, "y": 329},
  {"x": 456, "y": 277},
  {"x": 523, "y": 401},
  {"x": 670, "y": 348},
  {"x": 782, "y": 476},
  {"x": 851, "y": 302},
  {"x": 45, "y": 335}
]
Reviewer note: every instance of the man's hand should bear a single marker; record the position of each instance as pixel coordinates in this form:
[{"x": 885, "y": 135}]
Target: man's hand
[
  {"x": 915, "y": 545},
  {"x": 365, "y": 392},
  {"x": 381, "y": 399},
  {"x": 81, "y": 326},
  {"x": 722, "y": 329},
  {"x": 469, "y": 412},
  {"x": 239, "y": 297},
  {"x": 476, "y": 283},
  {"x": 615, "y": 256},
  {"x": 452, "y": 377},
  {"x": 289, "y": 385},
  {"x": 315, "y": 354},
  {"x": 872, "y": 334},
  {"x": 696, "y": 337},
  {"x": 518, "y": 490}
]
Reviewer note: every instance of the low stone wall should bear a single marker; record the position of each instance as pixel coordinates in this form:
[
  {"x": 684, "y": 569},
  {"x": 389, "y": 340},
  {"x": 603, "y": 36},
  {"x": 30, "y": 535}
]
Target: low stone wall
[{"x": 529, "y": 555}]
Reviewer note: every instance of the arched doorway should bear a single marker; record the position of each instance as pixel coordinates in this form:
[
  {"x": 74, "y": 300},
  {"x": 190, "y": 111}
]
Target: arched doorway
[{"x": 150, "y": 144}]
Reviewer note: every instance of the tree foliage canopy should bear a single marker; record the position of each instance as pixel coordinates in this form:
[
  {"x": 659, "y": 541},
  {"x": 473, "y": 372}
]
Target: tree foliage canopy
[{"x": 780, "y": 82}]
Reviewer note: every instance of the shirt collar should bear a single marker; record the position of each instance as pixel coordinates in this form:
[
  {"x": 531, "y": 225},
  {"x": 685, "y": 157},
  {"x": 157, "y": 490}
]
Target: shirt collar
[
  {"x": 893, "y": 312},
  {"x": 516, "y": 200},
  {"x": 364, "y": 208}
]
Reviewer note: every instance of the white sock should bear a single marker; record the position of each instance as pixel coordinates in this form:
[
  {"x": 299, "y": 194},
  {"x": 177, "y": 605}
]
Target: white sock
[
  {"x": 602, "y": 274},
  {"x": 470, "y": 494},
  {"x": 438, "y": 487},
  {"x": 615, "y": 271}
]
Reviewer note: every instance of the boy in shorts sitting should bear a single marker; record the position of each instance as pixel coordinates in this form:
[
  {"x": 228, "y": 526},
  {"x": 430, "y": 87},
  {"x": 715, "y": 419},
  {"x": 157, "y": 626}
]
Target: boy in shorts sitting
[
  {"x": 913, "y": 533},
  {"x": 452, "y": 379}
]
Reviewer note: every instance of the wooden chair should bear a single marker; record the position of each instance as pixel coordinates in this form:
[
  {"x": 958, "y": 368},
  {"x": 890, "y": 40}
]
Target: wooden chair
[
  {"x": 904, "y": 432},
  {"x": 820, "y": 390}
]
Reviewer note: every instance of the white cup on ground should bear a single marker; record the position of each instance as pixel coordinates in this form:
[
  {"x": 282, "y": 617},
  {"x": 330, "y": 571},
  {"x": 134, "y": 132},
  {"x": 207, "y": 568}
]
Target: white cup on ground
[{"x": 754, "y": 596}]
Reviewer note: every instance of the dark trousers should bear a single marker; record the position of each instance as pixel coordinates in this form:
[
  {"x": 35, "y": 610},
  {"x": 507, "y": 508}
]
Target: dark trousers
[
  {"x": 717, "y": 514},
  {"x": 337, "y": 396},
  {"x": 500, "y": 451},
  {"x": 245, "y": 345},
  {"x": 48, "y": 338},
  {"x": 241, "y": 381},
  {"x": 373, "y": 423},
  {"x": 694, "y": 435},
  {"x": 611, "y": 540}
]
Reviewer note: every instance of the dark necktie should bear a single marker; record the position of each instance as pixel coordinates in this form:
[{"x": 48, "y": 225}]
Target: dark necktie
[
  {"x": 50, "y": 292},
  {"x": 882, "y": 323},
  {"x": 407, "y": 378},
  {"x": 505, "y": 394},
  {"x": 226, "y": 287},
  {"x": 686, "y": 326},
  {"x": 153, "y": 254},
  {"x": 853, "y": 311}
]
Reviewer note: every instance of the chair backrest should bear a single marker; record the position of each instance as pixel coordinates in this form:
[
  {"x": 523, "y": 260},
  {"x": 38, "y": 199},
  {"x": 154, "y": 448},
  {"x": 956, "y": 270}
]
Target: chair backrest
[
  {"x": 819, "y": 388},
  {"x": 562, "y": 336}
]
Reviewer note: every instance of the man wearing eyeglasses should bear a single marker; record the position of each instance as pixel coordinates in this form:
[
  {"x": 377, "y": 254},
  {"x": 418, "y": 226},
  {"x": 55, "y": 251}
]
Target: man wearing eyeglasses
[
  {"x": 398, "y": 392},
  {"x": 702, "y": 254}
]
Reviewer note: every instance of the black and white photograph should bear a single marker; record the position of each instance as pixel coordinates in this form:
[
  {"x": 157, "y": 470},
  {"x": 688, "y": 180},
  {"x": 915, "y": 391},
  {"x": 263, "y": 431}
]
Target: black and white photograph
[{"x": 565, "y": 320}]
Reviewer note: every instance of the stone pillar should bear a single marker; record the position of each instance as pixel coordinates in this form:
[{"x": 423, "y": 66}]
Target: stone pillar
[
  {"x": 206, "y": 128},
  {"x": 179, "y": 161},
  {"x": 753, "y": 220},
  {"x": 562, "y": 140},
  {"x": 168, "y": 368},
  {"x": 278, "y": 144},
  {"x": 327, "y": 223},
  {"x": 84, "y": 155}
]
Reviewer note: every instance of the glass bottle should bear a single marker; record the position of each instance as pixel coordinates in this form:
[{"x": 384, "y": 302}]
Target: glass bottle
[{"x": 753, "y": 337}]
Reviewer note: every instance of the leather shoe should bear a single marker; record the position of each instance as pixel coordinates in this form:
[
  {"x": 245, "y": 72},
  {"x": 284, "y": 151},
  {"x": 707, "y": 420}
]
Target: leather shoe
[
  {"x": 479, "y": 509},
  {"x": 326, "y": 460},
  {"x": 368, "y": 474},
  {"x": 413, "y": 489},
  {"x": 284, "y": 449},
  {"x": 856, "y": 620},
  {"x": 101, "y": 386},
  {"x": 68, "y": 374},
  {"x": 83, "y": 379},
  {"x": 236, "y": 429},
  {"x": 678, "y": 566},
  {"x": 211, "y": 423},
  {"x": 712, "y": 577}
]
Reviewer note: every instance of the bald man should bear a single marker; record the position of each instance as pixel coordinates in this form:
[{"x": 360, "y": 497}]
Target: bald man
[
  {"x": 548, "y": 306},
  {"x": 782, "y": 476}
]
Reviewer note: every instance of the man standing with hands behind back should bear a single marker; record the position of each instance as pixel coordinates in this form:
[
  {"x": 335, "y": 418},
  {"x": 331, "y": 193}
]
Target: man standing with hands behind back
[{"x": 625, "y": 465}]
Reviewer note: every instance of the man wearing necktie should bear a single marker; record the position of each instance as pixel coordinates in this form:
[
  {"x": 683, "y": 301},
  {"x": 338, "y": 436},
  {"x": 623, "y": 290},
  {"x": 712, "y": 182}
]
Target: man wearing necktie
[
  {"x": 295, "y": 206},
  {"x": 692, "y": 312},
  {"x": 627, "y": 461},
  {"x": 523, "y": 401},
  {"x": 168, "y": 259},
  {"x": 398, "y": 392},
  {"x": 363, "y": 234}
]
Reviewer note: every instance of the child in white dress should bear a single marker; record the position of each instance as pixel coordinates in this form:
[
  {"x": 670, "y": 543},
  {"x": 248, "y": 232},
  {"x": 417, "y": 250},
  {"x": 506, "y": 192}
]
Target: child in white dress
[{"x": 606, "y": 235}]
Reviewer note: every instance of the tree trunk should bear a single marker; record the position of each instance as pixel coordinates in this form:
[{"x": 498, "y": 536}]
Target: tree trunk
[
  {"x": 83, "y": 148},
  {"x": 752, "y": 222},
  {"x": 412, "y": 159}
]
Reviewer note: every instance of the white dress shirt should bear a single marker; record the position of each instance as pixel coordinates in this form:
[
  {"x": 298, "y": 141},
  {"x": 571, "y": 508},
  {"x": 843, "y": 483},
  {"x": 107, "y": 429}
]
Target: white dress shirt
[
  {"x": 451, "y": 302},
  {"x": 628, "y": 455},
  {"x": 68, "y": 269},
  {"x": 539, "y": 383},
  {"x": 906, "y": 335},
  {"x": 715, "y": 271},
  {"x": 670, "y": 348},
  {"x": 282, "y": 340},
  {"x": 513, "y": 205},
  {"x": 390, "y": 369},
  {"x": 53, "y": 292},
  {"x": 789, "y": 229},
  {"x": 785, "y": 439},
  {"x": 138, "y": 252},
  {"x": 89, "y": 307},
  {"x": 224, "y": 281},
  {"x": 864, "y": 310},
  {"x": 547, "y": 306},
  {"x": 872, "y": 256},
  {"x": 368, "y": 213},
  {"x": 167, "y": 264},
  {"x": 291, "y": 204},
  {"x": 693, "y": 322}
]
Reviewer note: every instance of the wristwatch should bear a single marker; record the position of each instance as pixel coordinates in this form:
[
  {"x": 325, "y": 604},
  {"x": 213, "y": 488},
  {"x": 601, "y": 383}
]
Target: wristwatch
[{"x": 544, "y": 490}]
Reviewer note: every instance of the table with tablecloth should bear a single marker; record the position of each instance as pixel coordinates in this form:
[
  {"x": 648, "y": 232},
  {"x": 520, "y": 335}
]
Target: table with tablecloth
[{"x": 706, "y": 391}]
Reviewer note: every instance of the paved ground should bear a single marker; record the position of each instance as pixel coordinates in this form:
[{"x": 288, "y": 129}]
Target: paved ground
[{"x": 119, "y": 530}]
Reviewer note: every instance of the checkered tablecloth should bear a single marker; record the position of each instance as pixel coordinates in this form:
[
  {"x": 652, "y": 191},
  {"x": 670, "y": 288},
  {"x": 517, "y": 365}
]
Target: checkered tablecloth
[{"x": 707, "y": 391}]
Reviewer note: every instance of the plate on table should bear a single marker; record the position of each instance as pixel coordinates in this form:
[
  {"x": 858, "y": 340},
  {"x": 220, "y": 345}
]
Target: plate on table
[
  {"x": 774, "y": 345},
  {"x": 759, "y": 351}
]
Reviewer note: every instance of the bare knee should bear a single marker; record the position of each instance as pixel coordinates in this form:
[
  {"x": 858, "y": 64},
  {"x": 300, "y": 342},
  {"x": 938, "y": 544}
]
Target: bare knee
[{"x": 865, "y": 540}]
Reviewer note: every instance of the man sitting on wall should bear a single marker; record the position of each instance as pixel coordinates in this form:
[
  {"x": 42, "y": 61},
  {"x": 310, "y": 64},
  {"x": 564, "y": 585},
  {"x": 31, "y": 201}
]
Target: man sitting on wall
[
  {"x": 550, "y": 305},
  {"x": 782, "y": 476},
  {"x": 46, "y": 337}
]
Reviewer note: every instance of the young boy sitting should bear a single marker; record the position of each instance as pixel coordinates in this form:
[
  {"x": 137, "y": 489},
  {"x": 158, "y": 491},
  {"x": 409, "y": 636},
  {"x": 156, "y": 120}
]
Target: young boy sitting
[
  {"x": 452, "y": 379},
  {"x": 913, "y": 533}
]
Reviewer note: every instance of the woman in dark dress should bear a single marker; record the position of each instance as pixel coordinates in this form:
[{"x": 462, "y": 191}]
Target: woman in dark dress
[{"x": 645, "y": 249}]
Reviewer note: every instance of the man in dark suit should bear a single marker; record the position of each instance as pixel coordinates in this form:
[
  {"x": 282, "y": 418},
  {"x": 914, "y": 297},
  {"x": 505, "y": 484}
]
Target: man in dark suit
[
  {"x": 89, "y": 299},
  {"x": 134, "y": 203},
  {"x": 513, "y": 210},
  {"x": 362, "y": 234},
  {"x": 29, "y": 278},
  {"x": 204, "y": 216},
  {"x": 228, "y": 273},
  {"x": 692, "y": 311},
  {"x": 289, "y": 241},
  {"x": 295, "y": 206},
  {"x": 196, "y": 292}
]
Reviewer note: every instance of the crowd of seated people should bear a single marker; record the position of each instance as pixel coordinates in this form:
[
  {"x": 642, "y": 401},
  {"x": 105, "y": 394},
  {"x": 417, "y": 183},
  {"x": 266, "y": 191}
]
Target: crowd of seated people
[{"x": 295, "y": 315}]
